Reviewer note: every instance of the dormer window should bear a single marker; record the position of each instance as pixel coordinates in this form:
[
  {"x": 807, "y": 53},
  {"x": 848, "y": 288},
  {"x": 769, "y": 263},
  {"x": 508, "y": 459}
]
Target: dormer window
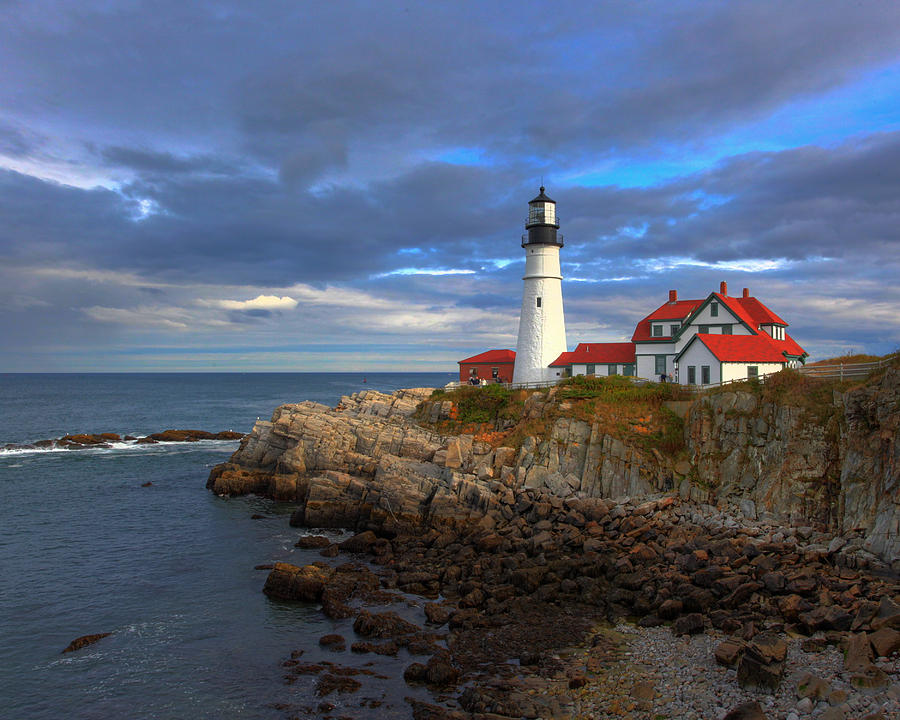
[
  {"x": 714, "y": 309},
  {"x": 657, "y": 330},
  {"x": 673, "y": 330}
]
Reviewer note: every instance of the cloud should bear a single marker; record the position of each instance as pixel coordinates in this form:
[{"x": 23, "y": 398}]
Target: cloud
[
  {"x": 257, "y": 156},
  {"x": 260, "y": 302},
  {"x": 140, "y": 317}
]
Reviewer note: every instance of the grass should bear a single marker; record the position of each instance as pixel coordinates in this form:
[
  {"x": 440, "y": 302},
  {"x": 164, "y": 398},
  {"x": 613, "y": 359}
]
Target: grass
[{"x": 618, "y": 406}]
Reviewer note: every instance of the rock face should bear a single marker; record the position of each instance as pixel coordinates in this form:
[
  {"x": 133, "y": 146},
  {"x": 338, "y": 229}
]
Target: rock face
[
  {"x": 839, "y": 473},
  {"x": 362, "y": 465},
  {"x": 367, "y": 465}
]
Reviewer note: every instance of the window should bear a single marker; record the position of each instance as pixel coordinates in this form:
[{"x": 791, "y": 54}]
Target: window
[
  {"x": 495, "y": 373},
  {"x": 472, "y": 371},
  {"x": 752, "y": 372},
  {"x": 704, "y": 329},
  {"x": 673, "y": 330},
  {"x": 714, "y": 310},
  {"x": 692, "y": 375},
  {"x": 537, "y": 301},
  {"x": 628, "y": 369},
  {"x": 726, "y": 329},
  {"x": 657, "y": 330},
  {"x": 704, "y": 374},
  {"x": 611, "y": 369},
  {"x": 660, "y": 365},
  {"x": 591, "y": 369}
]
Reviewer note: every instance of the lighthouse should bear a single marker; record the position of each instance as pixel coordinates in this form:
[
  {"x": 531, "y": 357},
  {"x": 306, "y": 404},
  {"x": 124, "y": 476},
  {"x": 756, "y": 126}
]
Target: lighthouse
[{"x": 542, "y": 326}]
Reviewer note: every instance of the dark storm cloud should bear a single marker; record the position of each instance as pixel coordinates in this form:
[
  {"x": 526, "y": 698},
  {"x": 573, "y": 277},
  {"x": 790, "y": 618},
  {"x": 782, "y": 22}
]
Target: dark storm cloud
[{"x": 280, "y": 143}]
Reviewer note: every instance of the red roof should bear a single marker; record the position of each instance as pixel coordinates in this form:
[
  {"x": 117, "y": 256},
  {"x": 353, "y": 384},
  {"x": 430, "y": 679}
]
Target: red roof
[
  {"x": 749, "y": 348},
  {"x": 597, "y": 353},
  {"x": 677, "y": 310},
  {"x": 747, "y": 309},
  {"x": 759, "y": 312},
  {"x": 492, "y": 356}
]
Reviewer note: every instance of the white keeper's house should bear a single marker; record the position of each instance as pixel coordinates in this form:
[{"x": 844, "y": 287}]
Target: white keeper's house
[{"x": 694, "y": 342}]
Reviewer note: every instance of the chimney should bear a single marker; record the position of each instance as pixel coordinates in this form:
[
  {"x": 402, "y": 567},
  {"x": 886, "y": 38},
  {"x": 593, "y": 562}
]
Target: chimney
[
  {"x": 673, "y": 295},
  {"x": 723, "y": 288},
  {"x": 746, "y": 292}
]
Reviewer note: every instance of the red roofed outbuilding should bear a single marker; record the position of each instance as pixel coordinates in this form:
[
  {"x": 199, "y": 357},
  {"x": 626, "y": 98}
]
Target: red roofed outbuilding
[
  {"x": 598, "y": 359},
  {"x": 491, "y": 365}
]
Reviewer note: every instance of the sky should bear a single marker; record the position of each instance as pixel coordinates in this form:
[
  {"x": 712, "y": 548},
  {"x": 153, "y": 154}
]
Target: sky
[{"x": 296, "y": 186}]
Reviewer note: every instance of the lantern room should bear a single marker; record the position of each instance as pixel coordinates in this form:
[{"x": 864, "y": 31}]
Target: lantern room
[{"x": 542, "y": 222}]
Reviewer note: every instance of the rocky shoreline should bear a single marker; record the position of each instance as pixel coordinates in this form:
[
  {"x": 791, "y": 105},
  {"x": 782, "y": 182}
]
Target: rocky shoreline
[
  {"x": 84, "y": 441},
  {"x": 526, "y": 585}
]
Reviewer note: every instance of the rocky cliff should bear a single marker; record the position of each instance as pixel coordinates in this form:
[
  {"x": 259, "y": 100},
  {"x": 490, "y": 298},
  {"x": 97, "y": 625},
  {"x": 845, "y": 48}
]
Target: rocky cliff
[
  {"x": 832, "y": 465},
  {"x": 375, "y": 462}
]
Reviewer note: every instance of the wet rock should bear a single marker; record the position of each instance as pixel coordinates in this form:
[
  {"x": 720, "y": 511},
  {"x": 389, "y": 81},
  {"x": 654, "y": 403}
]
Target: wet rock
[
  {"x": 382, "y": 625},
  {"x": 440, "y": 671},
  {"x": 437, "y": 614},
  {"x": 333, "y": 642},
  {"x": 309, "y": 542},
  {"x": 289, "y": 582},
  {"x": 83, "y": 641},
  {"x": 359, "y": 543},
  {"x": 329, "y": 683},
  {"x": 415, "y": 673}
]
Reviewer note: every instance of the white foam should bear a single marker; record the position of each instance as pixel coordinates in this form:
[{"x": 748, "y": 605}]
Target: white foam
[{"x": 127, "y": 446}]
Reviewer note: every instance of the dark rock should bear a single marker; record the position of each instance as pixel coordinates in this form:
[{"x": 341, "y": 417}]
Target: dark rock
[
  {"x": 257, "y": 516},
  {"x": 329, "y": 683},
  {"x": 885, "y": 641},
  {"x": 333, "y": 642},
  {"x": 84, "y": 641},
  {"x": 330, "y": 551},
  {"x": 382, "y": 625},
  {"x": 265, "y": 566},
  {"x": 289, "y": 582},
  {"x": 436, "y": 614},
  {"x": 309, "y": 542},
  {"x": 762, "y": 663},
  {"x": 415, "y": 673},
  {"x": 728, "y": 652},
  {"x": 359, "y": 543},
  {"x": 147, "y": 484},
  {"x": 440, "y": 672},
  {"x": 814, "y": 687},
  {"x": 858, "y": 657},
  {"x": 690, "y": 624},
  {"x": 746, "y": 711},
  {"x": 670, "y": 609}
]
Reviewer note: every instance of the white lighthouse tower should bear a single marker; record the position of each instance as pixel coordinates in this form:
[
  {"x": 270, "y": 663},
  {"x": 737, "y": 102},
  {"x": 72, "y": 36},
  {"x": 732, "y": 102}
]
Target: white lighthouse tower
[{"x": 542, "y": 327}]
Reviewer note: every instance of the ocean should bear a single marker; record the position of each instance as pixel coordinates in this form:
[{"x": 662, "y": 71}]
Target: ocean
[{"x": 167, "y": 569}]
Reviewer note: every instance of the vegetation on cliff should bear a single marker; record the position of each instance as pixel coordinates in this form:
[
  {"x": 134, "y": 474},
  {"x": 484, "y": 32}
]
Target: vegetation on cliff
[{"x": 617, "y": 405}]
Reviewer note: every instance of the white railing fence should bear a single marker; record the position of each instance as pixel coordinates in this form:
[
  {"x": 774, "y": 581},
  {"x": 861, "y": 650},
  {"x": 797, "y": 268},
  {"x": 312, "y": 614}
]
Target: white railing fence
[{"x": 846, "y": 371}]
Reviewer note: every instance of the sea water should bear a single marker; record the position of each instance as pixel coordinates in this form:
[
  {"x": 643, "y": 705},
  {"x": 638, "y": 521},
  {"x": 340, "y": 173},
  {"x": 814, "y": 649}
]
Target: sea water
[{"x": 167, "y": 569}]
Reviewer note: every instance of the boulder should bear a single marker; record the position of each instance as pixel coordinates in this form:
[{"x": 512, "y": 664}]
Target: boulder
[
  {"x": 746, "y": 711},
  {"x": 762, "y": 663},
  {"x": 289, "y": 582},
  {"x": 382, "y": 625}
]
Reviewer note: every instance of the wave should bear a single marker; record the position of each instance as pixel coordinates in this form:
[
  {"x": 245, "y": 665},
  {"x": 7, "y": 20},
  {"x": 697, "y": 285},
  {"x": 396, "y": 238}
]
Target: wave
[{"x": 123, "y": 446}]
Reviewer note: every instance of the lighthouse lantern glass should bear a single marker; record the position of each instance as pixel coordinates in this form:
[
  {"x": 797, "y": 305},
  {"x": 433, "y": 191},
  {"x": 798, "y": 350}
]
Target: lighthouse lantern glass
[{"x": 542, "y": 212}]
